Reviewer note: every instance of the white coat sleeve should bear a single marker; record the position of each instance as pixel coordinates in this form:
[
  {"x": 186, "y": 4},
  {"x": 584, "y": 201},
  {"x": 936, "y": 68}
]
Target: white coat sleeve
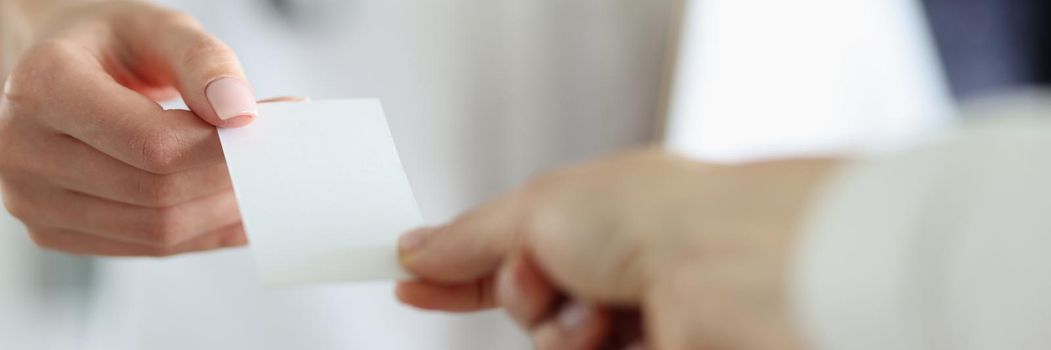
[{"x": 946, "y": 246}]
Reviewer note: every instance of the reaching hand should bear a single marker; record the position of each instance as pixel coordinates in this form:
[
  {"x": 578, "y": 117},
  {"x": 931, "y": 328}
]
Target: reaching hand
[{"x": 698, "y": 250}]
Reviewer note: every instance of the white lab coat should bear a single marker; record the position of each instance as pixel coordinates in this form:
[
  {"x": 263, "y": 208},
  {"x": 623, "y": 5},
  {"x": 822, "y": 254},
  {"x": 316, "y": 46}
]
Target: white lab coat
[{"x": 480, "y": 94}]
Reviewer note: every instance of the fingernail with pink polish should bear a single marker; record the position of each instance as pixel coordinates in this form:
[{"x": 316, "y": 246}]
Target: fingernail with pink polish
[{"x": 231, "y": 98}]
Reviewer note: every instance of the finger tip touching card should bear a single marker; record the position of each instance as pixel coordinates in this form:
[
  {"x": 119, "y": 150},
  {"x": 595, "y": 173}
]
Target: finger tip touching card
[{"x": 322, "y": 192}]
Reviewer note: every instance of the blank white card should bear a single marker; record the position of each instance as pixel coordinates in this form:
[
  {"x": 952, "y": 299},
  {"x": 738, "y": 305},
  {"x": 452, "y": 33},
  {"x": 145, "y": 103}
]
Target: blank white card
[{"x": 322, "y": 192}]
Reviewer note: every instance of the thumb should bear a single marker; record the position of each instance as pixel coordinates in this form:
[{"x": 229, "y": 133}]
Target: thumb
[{"x": 205, "y": 71}]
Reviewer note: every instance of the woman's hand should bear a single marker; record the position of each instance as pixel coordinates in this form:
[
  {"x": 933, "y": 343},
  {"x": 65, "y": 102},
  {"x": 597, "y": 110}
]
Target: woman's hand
[
  {"x": 89, "y": 161},
  {"x": 699, "y": 250}
]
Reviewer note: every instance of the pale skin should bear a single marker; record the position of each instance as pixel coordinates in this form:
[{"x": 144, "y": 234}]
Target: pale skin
[
  {"x": 92, "y": 165},
  {"x": 88, "y": 160},
  {"x": 699, "y": 250}
]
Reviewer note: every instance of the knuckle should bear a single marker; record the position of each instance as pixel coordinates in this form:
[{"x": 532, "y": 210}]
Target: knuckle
[
  {"x": 545, "y": 219},
  {"x": 158, "y": 151},
  {"x": 195, "y": 47},
  {"x": 166, "y": 19},
  {"x": 554, "y": 208},
  {"x": 39, "y": 66},
  {"x": 206, "y": 51},
  {"x": 156, "y": 190},
  {"x": 163, "y": 227},
  {"x": 153, "y": 20}
]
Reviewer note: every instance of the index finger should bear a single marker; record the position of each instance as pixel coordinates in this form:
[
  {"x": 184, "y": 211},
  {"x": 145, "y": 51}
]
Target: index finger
[
  {"x": 64, "y": 87},
  {"x": 469, "y": 248}
]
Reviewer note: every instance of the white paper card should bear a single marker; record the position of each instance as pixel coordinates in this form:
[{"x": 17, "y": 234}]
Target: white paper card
[{"x": 322, "y": 192}]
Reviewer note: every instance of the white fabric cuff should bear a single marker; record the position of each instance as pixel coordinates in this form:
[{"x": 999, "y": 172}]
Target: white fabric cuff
[{"x": 942, "y": 247}]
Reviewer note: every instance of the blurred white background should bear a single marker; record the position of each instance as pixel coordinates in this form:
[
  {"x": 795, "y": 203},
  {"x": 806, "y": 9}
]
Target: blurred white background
[{"x": 480, "y": 95}]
